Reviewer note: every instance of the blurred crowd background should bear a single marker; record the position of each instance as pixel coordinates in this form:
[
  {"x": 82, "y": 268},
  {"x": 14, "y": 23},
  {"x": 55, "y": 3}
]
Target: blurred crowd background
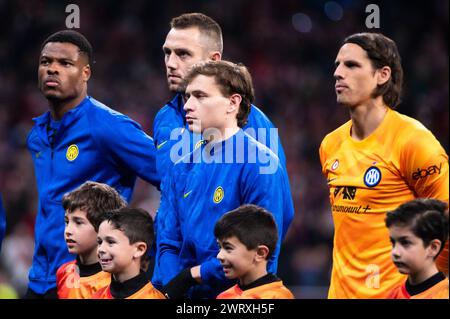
[{"x": 289, "y": 47}]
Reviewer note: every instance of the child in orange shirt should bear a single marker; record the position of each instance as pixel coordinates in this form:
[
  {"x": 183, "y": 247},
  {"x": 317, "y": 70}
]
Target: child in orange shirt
[
  {"x": 124, "y": 237},
  {"x": 81, "y": 278},
  {"x": 247, "y": 237},
  {"x": 418, "y": 230}
]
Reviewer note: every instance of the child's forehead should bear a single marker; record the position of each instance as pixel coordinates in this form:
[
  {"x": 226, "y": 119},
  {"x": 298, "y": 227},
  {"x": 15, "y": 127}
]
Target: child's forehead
[
  {"x": 109, "y": 227},
  {"x": 229, "y": 239},
  {"x": 401, "y": 230},
  {"x": 77, "y": 211}
]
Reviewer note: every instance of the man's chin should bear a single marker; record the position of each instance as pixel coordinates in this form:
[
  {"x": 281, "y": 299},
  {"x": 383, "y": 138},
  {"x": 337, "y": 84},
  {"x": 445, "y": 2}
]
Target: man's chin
[
  {"x": 175, "y": 88},
  {"x": 344, "y": 103},
  {"x": 51, "y": 95},
  {"x": 194, "y": 129}
]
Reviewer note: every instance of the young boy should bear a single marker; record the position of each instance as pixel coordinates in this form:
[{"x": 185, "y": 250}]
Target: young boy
[
  {"x": 418, "y": 230},
  {"x": 247, "y": 237},
  {"x": 81, "y": 278},
  {"x": 124, "y": 237}
]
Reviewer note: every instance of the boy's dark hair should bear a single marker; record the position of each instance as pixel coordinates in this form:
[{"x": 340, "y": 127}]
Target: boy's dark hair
[
  {"x": 251, "y": 224},
  {"x": 75, "y": 38},
  {"x": 205, "y": 24},
  {"x": 425, "y": 217},
  {"x": 135, "y": 223},
  {"x": 382, "y": 51},
  {"x": 232, "y": 79},
  {"x": 95, "y": 199}
]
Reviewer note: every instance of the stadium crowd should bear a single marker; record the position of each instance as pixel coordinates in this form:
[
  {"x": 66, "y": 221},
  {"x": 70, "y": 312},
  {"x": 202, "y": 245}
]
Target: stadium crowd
[{"x": 292, "y": 67}]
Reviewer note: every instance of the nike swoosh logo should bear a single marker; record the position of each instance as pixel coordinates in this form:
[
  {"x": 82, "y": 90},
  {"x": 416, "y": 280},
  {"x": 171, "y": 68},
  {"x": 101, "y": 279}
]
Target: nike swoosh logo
[
  {"x": 186, "y": 194},
  {"x": 160, "y": 145}
]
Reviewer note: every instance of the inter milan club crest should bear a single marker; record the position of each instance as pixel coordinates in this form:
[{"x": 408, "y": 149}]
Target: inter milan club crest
[{"x": 372, "y": 176}]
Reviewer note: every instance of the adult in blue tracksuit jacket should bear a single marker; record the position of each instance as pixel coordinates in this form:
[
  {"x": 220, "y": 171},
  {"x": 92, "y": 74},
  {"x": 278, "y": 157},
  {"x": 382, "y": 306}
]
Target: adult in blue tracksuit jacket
[
  {"x": 202, "y": 191},
  {"x": 2, "y": 222},
  {"x": 74, "y": 142},
  {"x": 218, "y": 176},
  {"x": 171, "y": 120},
  {"x": 193, "y": 38},
  {"x": 93, "y": 143}
]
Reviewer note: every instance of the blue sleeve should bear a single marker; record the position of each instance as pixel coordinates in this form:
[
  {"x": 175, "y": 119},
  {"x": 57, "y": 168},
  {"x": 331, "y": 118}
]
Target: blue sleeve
[
  {"x": 288, "y": 208},
  {"x": 270, "y": 192},
  {"x": 170, "y": 237},
  {"x": 267, "y": 191},
  {"x": 125, "y": 142},
  {"x": 2, "y": 222},
  {"x": 161, "y": 133},
  {"x": 211, "y": 272}
]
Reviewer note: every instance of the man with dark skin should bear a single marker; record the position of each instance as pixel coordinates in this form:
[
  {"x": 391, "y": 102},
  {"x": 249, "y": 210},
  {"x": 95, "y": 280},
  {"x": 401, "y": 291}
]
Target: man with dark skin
[{"x": 79, "y": 139}]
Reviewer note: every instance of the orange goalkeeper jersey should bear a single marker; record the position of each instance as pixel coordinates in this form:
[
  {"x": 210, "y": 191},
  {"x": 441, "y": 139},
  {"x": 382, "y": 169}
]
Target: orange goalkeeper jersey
[
  {"x": 265, "y": 289},
  {"x": 435, "y": 287},
  {"x": 136, "y": 288},
  {"x": 77, "y": 281},
  {"x": 401, "y": 160}
]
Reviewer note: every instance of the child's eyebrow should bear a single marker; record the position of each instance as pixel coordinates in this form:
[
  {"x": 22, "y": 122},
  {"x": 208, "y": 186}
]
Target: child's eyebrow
[
  {"x": 227, "y": 243},
  {"x": 400, "y": 238}
]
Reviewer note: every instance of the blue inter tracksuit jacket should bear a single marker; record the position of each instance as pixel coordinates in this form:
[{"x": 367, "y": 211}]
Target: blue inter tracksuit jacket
[
  {"x": 2, "y": 222},
  {"x": 93, "y": 143},
  {"x": 171, "y": 120},
  {"x": 194, "y": 203}
]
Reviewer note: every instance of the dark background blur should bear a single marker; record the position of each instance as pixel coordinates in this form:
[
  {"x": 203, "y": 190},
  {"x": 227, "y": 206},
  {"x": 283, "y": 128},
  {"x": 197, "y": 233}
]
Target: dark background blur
[{"x": 289, "y": 47}]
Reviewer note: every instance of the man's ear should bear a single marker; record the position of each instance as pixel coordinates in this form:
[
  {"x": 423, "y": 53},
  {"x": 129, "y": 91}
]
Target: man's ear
[
  {"x": 86, "y": 73},
  {"x": 262, "y": 251},
  {"x": 235, "y": 102},
  {"x": 140, "y": 249},
  {"x": 383, "y": 75},
  {"x": 215, "y": 56}
]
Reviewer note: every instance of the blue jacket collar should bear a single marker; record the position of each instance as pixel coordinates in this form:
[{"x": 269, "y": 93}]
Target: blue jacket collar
[
  {"x": 217, "y": 148},
  {"x": 45, "y": 118},
  {"x": 68, "y": 118},
  {"x": 177, "y": 103}
]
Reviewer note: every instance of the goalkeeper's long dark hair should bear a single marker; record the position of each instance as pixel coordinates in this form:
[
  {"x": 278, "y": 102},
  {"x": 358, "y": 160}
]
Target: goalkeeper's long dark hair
[{"x": 382, "y": 51}]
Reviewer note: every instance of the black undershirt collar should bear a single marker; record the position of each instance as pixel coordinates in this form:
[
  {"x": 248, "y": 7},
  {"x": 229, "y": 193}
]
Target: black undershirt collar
[
  {"x": 88, "y": 270},
  {"x": 122, "y": 290},
  {"x": 427, "y": 284},
  {"x": 267, "y": 279}
]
